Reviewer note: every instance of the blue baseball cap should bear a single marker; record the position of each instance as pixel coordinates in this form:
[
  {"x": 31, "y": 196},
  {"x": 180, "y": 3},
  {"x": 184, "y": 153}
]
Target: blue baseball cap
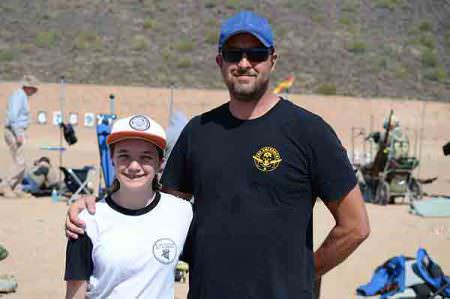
[{"x": 247, "y": 22}]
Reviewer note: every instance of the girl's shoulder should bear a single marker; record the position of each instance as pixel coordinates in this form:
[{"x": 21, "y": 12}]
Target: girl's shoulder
[
  {"x": 176, "y": 203},
  {"x": 100, "y": 208}
]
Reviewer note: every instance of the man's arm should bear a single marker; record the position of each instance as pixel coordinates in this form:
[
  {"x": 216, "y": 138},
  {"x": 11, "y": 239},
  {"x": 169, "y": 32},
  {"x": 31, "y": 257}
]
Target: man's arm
[{"x": 351, "y": 229}]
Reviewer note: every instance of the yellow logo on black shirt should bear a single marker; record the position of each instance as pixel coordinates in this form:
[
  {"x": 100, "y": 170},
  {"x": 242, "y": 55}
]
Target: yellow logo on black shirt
[{"x": 267, "y": 159}]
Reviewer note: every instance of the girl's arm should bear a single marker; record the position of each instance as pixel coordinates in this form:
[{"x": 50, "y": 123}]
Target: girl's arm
[{"x": 76, "y": 289}]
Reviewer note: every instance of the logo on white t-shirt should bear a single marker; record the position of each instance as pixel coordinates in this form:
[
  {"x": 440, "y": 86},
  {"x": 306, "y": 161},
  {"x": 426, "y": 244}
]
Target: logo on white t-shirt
[{"x": 165, "y": 250}]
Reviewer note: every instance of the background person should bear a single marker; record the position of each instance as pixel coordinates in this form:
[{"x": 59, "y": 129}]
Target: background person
[
  {"x": 41, "y": 177},
  {"x": 16, "y": 123}
]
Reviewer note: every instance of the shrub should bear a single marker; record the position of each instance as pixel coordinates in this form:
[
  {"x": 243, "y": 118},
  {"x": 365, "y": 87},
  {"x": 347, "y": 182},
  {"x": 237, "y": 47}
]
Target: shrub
[
  {"x": 318, "y": 18},
  {"x": 350, "y": 6},
  {"x": 327, "y": 89},
  {"x": 232, "y": 4},
  {"x": 210, "y": 3},
  {"x": 447, "y": 39},
  {"x": 427, "y": 40},
  {"x": 345, "y": 21},
  {"x": 139, "y": 43},
  {"x": 357, "y": 46},
  {"x": 389, "y": 4},
  {"x": 437, "y": 74},
  {"x": 401, "y": 72},
  {"x": 425, "y": 26},
  {"x": 45, "y": 39},
  {"x": 184, "y": 62},
  {"x": 87, "y": 40},
  {"x": 184, "y": 45},
  {"x": 6, "y": 55},
  {"x": 149, "y": 23},
  {"x": 429, "y": 58}
]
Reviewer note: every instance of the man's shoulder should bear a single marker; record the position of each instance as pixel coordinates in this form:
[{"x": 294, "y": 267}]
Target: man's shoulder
[
  {"x": 212, "y": 115},
  {"x": 18, "y": 93},
  {"x": 300, "y": 114},
  {"x": 219, "y": 111}
]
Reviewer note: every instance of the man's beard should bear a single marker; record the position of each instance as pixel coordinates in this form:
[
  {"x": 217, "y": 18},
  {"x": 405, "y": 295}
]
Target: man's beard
[{"x": 248, "y": 92}]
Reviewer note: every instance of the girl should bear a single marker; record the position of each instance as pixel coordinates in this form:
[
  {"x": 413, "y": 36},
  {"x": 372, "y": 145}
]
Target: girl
[{"x": 133, "y": 242}]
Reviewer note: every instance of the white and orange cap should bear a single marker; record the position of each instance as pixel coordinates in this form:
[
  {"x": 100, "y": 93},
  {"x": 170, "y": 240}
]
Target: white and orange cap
[{"x": 138, "y": 127}]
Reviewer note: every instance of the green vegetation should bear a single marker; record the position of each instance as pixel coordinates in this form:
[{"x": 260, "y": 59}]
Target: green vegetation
[
  {"x": 357, "y": 46},
  {"x": 211, "y": 36},
  {"x": 350, "y": 6},
  {"x": 447, "y": 39},
  {"x": 166, "y": 54},
  {"x": 429, "y": 58},
  {"x": 184, "y": 62},
  {"x": 345, "y": 21},
  {"x": 139, "y": 43},
  {"x": 437, "y": 74},
  {"x": 400, "y": 71},
  {"x": 389, "y": 4},
  {"x": 318, "y": 18},
  {"x": 425, "y": 26},
  {"x": 87, "y": 40},
  {"x": 232, "y": 4},
  {"x": 149, "y": 23},
  {"x": 210, "y": 3},
  {"x": 349, "y": 12},
  {"x": 6, "y": 55},
  {"x": 46, "y": 39},
  {"x": 184, "y": 45},
  {"x": 428, "y": 40},
  {"x": 327, "y": 89}
]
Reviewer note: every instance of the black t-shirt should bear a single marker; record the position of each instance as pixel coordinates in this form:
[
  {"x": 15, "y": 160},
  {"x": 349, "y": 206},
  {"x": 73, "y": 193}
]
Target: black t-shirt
[{"x": 254, "y": 184}]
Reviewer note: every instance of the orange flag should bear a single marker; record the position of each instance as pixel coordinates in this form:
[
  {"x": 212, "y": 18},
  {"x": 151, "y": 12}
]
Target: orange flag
[{"x": 285, "y": 84}]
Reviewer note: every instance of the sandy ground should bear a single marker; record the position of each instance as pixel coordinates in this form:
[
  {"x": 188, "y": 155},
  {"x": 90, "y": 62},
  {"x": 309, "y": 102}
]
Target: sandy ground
[{"x": 32, "y": 229}]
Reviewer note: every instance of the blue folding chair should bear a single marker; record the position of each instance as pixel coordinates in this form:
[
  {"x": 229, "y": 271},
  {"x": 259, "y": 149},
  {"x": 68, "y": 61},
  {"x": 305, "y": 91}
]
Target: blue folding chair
[{"x": 107, "y": 169}]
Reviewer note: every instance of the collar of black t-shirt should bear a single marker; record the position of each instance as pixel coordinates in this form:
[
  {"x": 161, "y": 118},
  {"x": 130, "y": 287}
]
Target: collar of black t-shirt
[
  {"x": 254, "y": 120},
  {"x": 132, "y": 212}
]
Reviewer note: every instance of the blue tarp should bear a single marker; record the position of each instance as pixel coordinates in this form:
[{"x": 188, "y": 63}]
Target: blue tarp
[{"x": 436, "y": 207}]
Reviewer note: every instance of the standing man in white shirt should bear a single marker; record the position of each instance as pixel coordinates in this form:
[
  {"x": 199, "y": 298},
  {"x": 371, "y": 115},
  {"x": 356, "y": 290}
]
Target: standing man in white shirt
[{"x": 16, "y": 122}]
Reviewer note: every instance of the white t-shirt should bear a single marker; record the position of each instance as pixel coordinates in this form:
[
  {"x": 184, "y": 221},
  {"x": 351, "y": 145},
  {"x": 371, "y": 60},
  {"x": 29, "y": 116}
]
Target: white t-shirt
[{"x": 130, "y": 253}]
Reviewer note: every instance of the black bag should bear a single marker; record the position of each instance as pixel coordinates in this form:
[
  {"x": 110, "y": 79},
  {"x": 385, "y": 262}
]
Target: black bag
[
  {"x": 446, "y": 149},
  {"x": 69, "y": 133}
]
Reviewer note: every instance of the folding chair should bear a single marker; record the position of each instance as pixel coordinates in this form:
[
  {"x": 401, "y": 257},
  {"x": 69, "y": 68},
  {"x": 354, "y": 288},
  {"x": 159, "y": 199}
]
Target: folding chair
[
  {"x": 106, "y": 167},
  {"x": 76, "y": 181}
]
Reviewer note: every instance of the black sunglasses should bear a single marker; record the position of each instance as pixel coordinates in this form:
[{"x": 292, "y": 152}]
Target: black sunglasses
[{"x": 235, "y": 55}]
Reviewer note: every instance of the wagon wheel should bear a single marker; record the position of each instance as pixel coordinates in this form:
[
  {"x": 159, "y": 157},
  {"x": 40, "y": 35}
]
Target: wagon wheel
[
  {"x": 382, "y": 195},
  {"x": 415, "y": 191}
]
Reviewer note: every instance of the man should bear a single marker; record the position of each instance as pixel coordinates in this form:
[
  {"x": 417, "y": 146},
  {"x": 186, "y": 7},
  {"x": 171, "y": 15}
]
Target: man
[
  {"x": 255, "y": 166},
  {"x": 41, "y": 177},
  {"x": 16, "y": 123}
]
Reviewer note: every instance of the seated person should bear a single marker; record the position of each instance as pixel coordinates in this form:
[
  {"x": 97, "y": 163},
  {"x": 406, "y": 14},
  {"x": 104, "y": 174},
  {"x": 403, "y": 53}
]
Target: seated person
[{"x": 42, "y": 176}]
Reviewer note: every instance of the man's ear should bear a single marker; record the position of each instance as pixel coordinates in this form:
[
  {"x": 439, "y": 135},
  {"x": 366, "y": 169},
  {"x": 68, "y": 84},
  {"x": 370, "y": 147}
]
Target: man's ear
[
  {"x": 274, "y": 59},
  {"x": 219, "y": 60}
]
